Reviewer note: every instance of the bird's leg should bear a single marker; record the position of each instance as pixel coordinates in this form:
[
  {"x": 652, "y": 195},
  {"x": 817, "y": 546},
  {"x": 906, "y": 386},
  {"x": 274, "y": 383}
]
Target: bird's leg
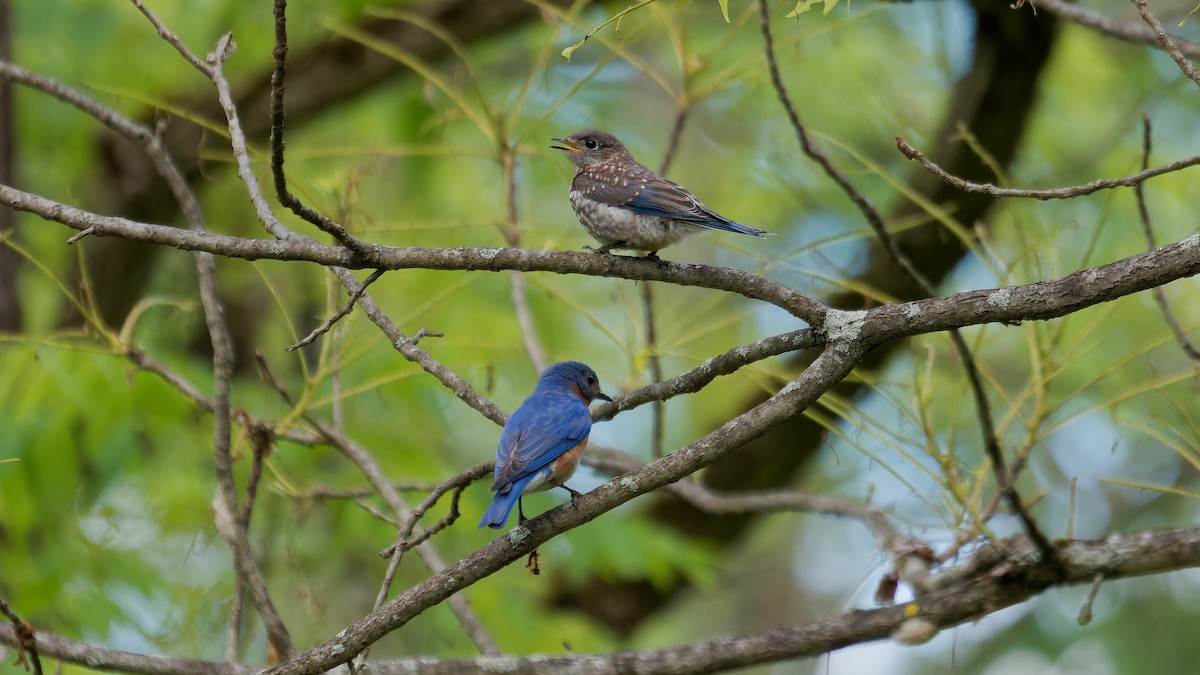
[
  {"x": 607, "y": 247},
  {"x": 534, "y": 565},
  {"x": 653, "y": 255},
  {"x": 575, "y": 494}
]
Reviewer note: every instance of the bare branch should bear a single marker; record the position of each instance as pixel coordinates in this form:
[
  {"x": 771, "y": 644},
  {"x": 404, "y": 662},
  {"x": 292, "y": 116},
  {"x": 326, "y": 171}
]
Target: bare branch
[
  {"x": 1121, "y": 30},
  {"x": 987, "y": 427},
  {"x": 697, "y": 378},
  {"x": 1014, "y": 303},
  {"x": 870, "y": 213},
  {"x": 456, "y": 483},
  {"x": 173, "y": 39},
  {"x": 373, "y": 472},
  {"x": 462, "y": 258},
  {"x": 24, "y": 639},
  {"x": 1167, "y": 43},
  {"x": 226, "y": 502},
  {"x": 681, "y": 116},
  {"x": 517, "y": 288},
  {"x": 830, "y": 367},
  {"x": 1144, "y": 214},
  {"x": 986, "y": 583},
  {"x": 1052, "y": 193},
  {"x": 282, "y": 193},
  {"x": 656, "y": 371},
  {"x": 346, "y": 309}
]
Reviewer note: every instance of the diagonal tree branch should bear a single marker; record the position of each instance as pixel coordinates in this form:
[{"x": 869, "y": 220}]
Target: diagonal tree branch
[
  {"x": 829, "y": 368},
  {"x": 1167, "y": 42},
  {"x": 1130, "y": 32},
  {"x": 987, "y": 427}
]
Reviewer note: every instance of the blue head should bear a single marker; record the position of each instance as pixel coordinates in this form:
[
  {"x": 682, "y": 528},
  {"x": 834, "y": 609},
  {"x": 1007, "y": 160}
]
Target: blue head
[{"x": 577, "y": 377}]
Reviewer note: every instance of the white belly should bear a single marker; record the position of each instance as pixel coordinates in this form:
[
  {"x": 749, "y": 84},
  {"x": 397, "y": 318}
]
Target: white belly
[{"x": 610, "y": 225}]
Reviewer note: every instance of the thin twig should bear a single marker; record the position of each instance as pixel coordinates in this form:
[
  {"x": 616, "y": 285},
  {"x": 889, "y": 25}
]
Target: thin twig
[
  {"x": 233, "y": 632},
  {"x": 810, "y": 148},
  {"x": 76, "y": 237},
  {"x": 173, "y": 39},
  {"x": 904, "y": 551},
  {"x": 26, "y": 640},
  {"x": 1085, "y": 610},
  {"x": 991, "y": 444},
  {"x": 282, "y": 193},
  {"x": 373, "y": 472},
  {"x": 147, "y": 363},
  {"x": 681, "y": 117},
  {"x": 345, "y": 309},
  {"x": 1122, "y": 30},
  {"x": 1051, "y": 193},
  {"x": 659, "y": 408},
  {"x": 424, "y": 333},
  {"x": 512, "y": 235},
  {"x": 653, "y": 358},
  {"x": 229, "y": 521},
  {"x": 457, "y": 483},
  {"x": 1144, "y": 214},
  {"x": 1167, "y": 43}
]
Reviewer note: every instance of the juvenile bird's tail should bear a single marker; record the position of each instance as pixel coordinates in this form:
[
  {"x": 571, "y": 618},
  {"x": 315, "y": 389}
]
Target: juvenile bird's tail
[{"x": 729, "y": 226}]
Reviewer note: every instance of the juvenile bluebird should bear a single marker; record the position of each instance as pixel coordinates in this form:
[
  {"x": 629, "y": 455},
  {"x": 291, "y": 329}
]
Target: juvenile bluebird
[
  {"x": 543, "y": 440},
  {"x": 625, "y": 205}
]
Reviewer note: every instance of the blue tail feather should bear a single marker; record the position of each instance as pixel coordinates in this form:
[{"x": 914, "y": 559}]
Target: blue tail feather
[
  {"x": 497, "y": 512},
  {"x": 502, "y": 505}
]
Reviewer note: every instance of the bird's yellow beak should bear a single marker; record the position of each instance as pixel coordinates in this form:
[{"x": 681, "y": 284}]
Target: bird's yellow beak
[{"x": 567, "y": 146}]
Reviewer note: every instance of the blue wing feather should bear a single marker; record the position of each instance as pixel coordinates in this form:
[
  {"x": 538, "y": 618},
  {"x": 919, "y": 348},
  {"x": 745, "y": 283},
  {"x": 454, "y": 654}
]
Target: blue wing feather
[{"x": 541, "y": 430}]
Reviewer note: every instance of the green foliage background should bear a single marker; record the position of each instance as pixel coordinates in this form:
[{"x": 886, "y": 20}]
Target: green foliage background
[{"x": 106, "y": 531}]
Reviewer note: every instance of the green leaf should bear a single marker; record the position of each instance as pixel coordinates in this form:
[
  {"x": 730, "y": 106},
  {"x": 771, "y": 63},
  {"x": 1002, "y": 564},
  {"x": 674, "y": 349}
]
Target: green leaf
[
  {"x": 803, "y": 6},
  {"x": 724, "y": 9},
  {"x": 566, "y": 53}
]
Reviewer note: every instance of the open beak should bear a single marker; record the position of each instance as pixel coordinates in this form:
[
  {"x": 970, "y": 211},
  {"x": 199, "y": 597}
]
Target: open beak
[{"x": 569, "y": 147}]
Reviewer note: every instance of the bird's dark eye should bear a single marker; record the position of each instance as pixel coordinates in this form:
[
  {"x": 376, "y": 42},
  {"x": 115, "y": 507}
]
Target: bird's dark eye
[
  {"x": 591, "y": 144},
  {"x": 591, "y": 380}
]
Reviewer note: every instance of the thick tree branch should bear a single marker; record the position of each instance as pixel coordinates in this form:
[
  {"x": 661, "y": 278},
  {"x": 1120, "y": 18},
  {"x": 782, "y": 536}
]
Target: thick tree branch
[
  {"x": 829, "y": 368},
  {"x": 462, "y": 258},
  {"x": 1036, "y": 301},
  {"x": 988, "y": 582},
  {"x": 1042, "y": 300},
  {"x": 373, "y": 472},
  {"x": 1004, "y": 479}
]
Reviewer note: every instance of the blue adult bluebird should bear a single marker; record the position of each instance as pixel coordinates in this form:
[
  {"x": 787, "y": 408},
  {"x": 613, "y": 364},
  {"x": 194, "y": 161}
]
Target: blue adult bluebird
[
  {"x": 543, "y": 440},
  {"x": 625, "y": 205}
]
